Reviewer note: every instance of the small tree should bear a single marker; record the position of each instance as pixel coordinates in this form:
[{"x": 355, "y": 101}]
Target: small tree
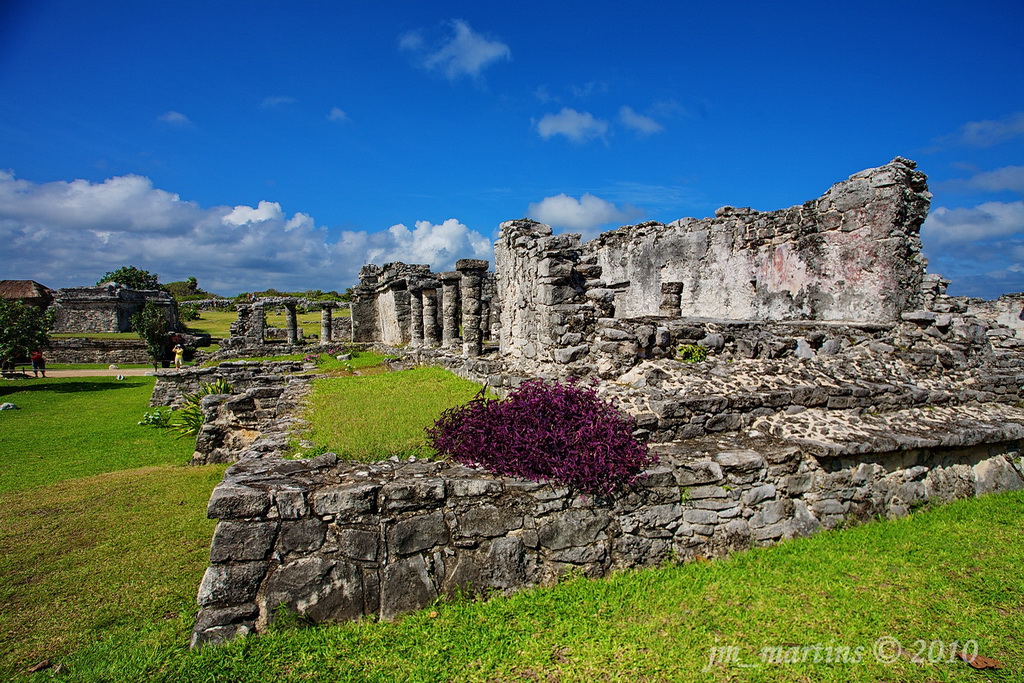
[
  {"x": 151, "y": 325},
  {"x": 131, "y": 277},
  {"x": 23, "y": 328}
]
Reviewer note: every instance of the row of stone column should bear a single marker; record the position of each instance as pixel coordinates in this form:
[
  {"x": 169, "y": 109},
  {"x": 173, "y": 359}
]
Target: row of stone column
[{"x": 427, "y": 328}]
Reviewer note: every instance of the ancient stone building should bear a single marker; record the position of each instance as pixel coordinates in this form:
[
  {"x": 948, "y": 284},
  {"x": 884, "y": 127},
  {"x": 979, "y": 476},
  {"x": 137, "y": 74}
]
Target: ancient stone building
[
  {"x": 841, "y": 383},
  {"x": 107, "y": 308}
]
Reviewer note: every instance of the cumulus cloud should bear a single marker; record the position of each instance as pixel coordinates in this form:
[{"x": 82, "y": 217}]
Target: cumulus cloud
[
  {"x": 577, "y": 126},
  {"x": 989, "y": 132},
  {"x": 174, "y": 118},
  {"x": 439, "y": 245},
  {"x": 70, "y": 233},
  {"x": 464, "y": 52},
  {"x": 337, "y": 115},
  {"x": 1005, "y": 178},
  {"x": 583, "y": 214},
  {"x": 945, "y": 227},
  {"x": 644, "y": 125},
  {"x": 265, "y": 211}
]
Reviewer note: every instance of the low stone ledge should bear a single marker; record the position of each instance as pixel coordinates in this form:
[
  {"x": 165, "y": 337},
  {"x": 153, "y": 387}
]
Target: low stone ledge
[{"x": 337, "y": 540}]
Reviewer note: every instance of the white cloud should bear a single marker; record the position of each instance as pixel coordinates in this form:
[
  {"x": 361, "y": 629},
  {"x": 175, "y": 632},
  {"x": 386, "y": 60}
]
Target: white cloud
[
  {"x": 265, "y": 211},
  {"x": 577, "y": 126},
  {"x": 988, "y": 133},
  {"x": 439, "y": 246},
  {"x": 644, "y": 125},
  {"x": 945, "y": 227},
  {"x": 583, "y": 214},
  {"x": 69, "y": 233},
  {"x": 588, "y": 90},
  {"x": 276, "y": 101},
  {"x": 174, "y": 118},
  {"x": 1005, "y": 178},
  {"x": 337, "y": 115},
  {"x": 463, "y": 53}
]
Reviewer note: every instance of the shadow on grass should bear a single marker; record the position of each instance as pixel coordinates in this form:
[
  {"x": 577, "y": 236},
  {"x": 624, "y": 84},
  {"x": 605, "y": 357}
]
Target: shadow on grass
[{"x": 66, "y": 385}]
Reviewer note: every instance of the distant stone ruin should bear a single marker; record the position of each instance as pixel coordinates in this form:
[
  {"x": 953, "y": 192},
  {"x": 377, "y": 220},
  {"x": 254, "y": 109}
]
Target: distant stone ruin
[
  {"x": 108, "y": 308},
  {"x": 250, "y": 332},
  {"x": 841, "y": 383}
]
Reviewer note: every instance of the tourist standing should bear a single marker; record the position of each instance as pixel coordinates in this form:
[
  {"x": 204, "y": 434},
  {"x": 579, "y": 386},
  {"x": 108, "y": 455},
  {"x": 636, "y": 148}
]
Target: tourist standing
[
  {"x": 179, "y": 355},
  {"x": 38, "y": 363}
]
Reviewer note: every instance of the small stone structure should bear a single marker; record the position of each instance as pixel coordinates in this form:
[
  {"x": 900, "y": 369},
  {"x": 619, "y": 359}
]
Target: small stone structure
[
  {"x": 108, "y": 308},
  {"x": 841, "y": 383}
]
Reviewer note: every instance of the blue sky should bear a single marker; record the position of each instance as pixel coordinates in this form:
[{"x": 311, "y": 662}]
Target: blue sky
[{"x": 283, "y": 144}]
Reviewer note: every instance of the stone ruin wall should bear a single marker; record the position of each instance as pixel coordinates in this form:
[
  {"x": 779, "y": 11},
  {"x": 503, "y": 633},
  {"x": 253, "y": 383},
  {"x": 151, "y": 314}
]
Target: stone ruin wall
[
  {"x": 818, "y": 412},
  {"x": 338, "y": 541},
  {"x": 107, "y": 308},
  {"x": 851, "y": 256}
]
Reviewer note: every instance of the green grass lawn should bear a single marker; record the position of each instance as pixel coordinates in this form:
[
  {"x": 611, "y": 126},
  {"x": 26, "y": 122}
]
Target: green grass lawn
[
  {"x": 378, "y": 416},
  {"x": 99, "y": 572},
  {"x": 69, "y": 428}
]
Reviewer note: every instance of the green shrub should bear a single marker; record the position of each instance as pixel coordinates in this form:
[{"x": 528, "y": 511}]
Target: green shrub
[
  {"x": 155, "y": 418},
  {"x": 188, "y": 419},
  {"x": 691, "y": 353}
]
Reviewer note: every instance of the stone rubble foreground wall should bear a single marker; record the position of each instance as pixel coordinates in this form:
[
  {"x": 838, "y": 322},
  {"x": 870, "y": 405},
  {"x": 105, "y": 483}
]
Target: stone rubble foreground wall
[
  {"x": 172, "y": 385},
  {"x": 336, "y": 541}
]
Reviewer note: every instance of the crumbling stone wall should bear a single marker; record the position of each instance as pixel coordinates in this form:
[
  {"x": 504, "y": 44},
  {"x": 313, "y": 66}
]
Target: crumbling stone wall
[
  {"x": 172, "y": 385},
  {"x": 336, "y": 541},
  {"x": 851, "y": 256},
  {"x": 91, "y": 350},
  {"x": 107, "y": 308},
  {"x": 1006, "y": 312}
]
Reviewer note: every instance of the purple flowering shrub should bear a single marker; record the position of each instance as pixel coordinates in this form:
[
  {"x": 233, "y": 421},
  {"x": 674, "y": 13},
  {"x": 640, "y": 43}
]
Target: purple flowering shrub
[{"x": 546, "y": 431}]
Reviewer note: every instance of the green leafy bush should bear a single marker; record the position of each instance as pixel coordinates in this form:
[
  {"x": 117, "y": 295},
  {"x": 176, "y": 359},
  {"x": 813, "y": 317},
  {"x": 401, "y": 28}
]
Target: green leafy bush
[
  {"x": 691, "y": 353},
  {"x": 155, "y": 418},
  {"x": 188, "y": 419}
]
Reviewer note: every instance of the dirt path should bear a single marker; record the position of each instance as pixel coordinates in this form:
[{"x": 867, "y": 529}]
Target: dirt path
[{"x": 98, "y": 372}]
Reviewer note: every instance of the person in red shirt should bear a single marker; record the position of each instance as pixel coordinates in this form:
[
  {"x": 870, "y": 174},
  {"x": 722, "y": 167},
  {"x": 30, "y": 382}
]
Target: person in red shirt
[{"x": 38, "y": 363}]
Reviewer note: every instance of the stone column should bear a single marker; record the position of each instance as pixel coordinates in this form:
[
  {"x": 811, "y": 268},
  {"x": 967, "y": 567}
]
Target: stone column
[
  {"x": 431, "y": 330},
  {"x": 472, "y": 275},
  {"x": 670, "y": 299},
  {"x": 257, "y": 324},
  {"x": 292, "y": 324},
  {"x": 326, "y": 325},
  {"x": 415, "y": 314},
  {"x": 450, "y": 280}
]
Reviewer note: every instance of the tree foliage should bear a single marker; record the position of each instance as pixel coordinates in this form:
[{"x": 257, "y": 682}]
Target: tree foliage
[
  {"x": 151, "y": 325},
  {"x": 23, "y": 328},
  {"x": 131, "y": 277},
  {"x": 187, "y": 290}
]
